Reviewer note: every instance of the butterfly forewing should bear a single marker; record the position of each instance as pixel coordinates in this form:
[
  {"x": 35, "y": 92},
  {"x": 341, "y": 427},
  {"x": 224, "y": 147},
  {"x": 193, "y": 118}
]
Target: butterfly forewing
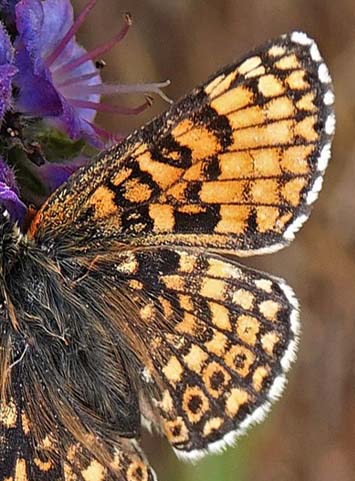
[{"x": 234, "y": 165}]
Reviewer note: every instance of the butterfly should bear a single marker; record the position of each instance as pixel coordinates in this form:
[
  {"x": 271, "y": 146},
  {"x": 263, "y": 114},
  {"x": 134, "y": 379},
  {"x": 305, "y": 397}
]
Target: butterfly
[{"x": 119, "y": 306}]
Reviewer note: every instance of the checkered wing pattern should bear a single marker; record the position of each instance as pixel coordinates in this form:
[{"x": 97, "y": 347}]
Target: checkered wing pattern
[
  {"x": 235, "y": 165},
  {"x": 220, "y": 339},
  {"x": 23, "y": 459}
]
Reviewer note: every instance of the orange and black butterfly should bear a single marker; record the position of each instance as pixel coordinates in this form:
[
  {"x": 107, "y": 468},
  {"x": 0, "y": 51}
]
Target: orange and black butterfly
[{"x": 118, "y": 306}]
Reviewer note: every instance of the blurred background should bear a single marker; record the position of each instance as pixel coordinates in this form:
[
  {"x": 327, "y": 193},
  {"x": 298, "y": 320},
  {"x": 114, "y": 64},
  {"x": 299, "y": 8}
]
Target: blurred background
[{"x": 310, "y": 434}]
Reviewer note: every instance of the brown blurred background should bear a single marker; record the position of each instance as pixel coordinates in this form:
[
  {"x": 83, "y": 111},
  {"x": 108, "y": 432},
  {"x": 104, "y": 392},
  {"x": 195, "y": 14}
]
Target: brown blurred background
[{"x": 310, "y": 435}]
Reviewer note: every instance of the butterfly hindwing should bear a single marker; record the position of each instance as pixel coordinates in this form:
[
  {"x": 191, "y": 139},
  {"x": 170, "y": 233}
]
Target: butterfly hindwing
[
  {"x": 234, "y": 165},
  {"x": 220, "y": 338}
]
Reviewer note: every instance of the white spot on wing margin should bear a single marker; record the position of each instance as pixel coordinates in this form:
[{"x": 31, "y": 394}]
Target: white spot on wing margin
[
  {"x": 316, "y": 188},
  {"x": 323, "y": 74},
  {"x": 329, "y": 98},
  {"x": 324, "y": 157},
  {"x": 315, "y": 54},
  {"x": 291, "y": 230},
  {"x": 301, "y": 38},
  {"x": 330, "y": 125},
  {"x": 257, "y": 252}
]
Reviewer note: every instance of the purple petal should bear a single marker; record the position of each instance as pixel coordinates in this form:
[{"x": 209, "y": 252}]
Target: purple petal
[
  {"x": 9, "y": 193},
  {"x": 7, "y": 71},
  {"x": 58, "y": 18},
  {"x": 37, "y": 94},
  {"x": 6, "y": 48},
  {"x": 29, "y": 22},
  {"x": 10, "y": 200},
  {"x": 41, "y": 27},
  {"x": 7, "y": 175},
  {"x": 6, "y": 74}
]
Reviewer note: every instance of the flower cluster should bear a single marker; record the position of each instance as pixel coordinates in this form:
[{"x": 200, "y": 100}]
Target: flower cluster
[{"x": 51, "y": 84}]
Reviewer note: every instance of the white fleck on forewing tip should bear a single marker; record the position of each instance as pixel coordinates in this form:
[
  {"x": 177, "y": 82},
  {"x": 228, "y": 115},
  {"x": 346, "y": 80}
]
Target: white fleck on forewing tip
[{"x": 301, "y": 38}]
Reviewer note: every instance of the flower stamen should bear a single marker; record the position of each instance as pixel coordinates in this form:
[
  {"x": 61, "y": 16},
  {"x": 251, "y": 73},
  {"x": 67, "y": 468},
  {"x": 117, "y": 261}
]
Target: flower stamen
[
  {"x": 78, "y": 79},
  {"x": 111, "y": 89},
  {"x": 70, "y": 34},
  {"x": 100, "y": 50},
  {"x": 115, "y": 109},
  {"x": 109, "y": 136}
]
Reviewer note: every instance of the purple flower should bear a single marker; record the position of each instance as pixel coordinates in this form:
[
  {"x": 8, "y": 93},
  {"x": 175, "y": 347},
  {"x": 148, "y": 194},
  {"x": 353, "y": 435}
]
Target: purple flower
[
  {"x": 46, "y": 75},
  {"x": 7, "y": 71},
  {"x": 57, "y": 78},
  {"x": 9, "y": 194}
]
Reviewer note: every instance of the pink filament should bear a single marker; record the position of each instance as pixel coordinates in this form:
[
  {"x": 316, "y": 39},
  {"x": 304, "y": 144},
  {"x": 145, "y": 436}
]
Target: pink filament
[
  {"x": 98, "y": 50},
  {"x": 106, "y": 134},
  {"x": 109, "y": 89},
  {"x": 78, "y": 79},
  {"x": 70, "y": 34},
  {"x": 115, "y": 109}
]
